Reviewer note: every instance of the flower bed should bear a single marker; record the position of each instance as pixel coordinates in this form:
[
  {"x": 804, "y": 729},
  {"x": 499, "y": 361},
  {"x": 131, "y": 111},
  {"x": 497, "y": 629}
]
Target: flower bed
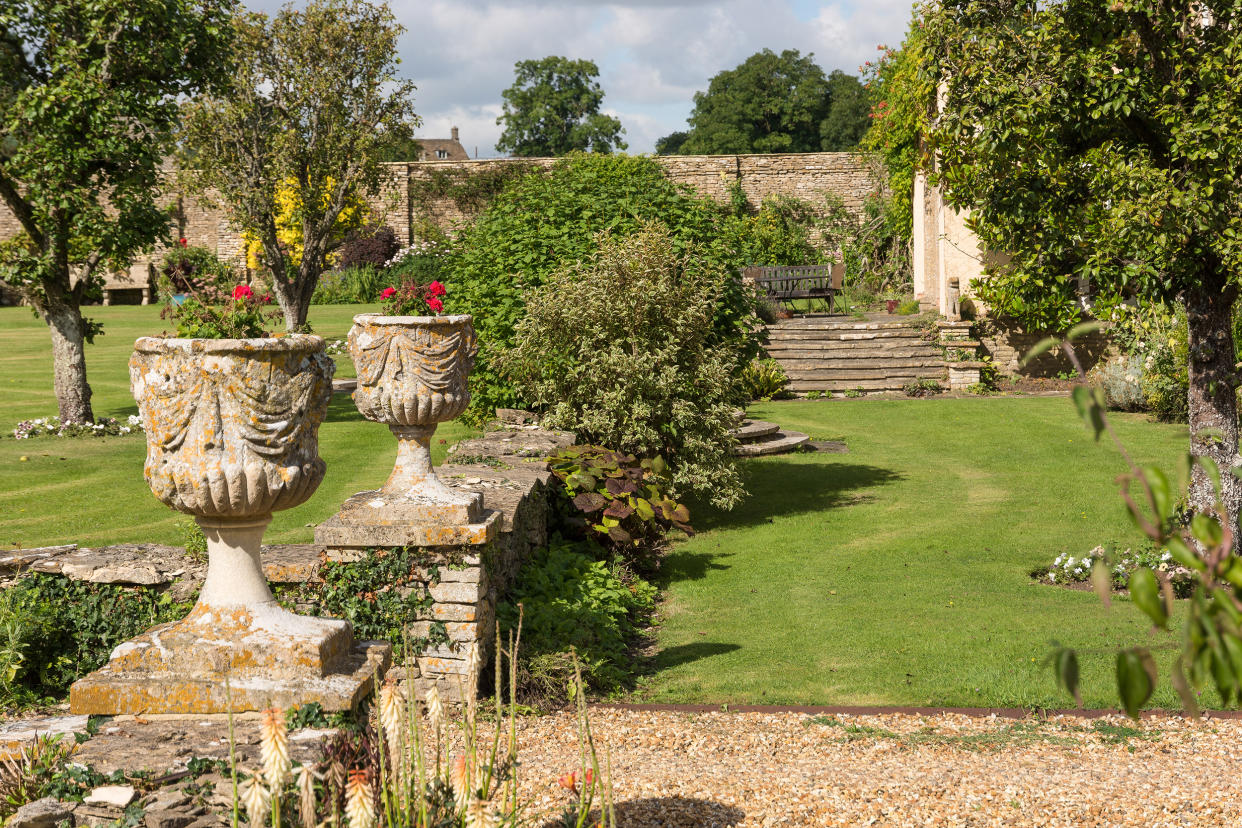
[
  {"x": 52, "y": 427},
  {"x": 1071, "y": 571}
]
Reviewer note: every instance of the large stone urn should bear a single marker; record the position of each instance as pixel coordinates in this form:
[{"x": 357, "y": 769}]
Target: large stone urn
[
  {"x": 413, "y": 374},
  {"x": 232, "y": 436}
]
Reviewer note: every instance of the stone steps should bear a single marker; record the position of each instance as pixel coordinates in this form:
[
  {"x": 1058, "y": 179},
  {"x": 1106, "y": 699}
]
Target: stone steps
[
  {"x": 846, "y": 354},
  {"x": 759, "y": 438}
]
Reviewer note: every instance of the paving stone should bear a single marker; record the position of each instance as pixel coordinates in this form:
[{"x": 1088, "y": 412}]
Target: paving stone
[
  {"x": 18, "y": 733},
  {"x": 115, "y": 796},
  {"x": 778, "y": 443}
]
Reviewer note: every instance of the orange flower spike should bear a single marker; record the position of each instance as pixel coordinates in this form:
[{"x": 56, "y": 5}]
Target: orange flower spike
[{"x": 568, "y": 781}]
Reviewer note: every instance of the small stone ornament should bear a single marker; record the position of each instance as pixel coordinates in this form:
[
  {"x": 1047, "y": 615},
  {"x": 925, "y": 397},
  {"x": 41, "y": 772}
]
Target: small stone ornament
[{"x": 232, "y": 436}]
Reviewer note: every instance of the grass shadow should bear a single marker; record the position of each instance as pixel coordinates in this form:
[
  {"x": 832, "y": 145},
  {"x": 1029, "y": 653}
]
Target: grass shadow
[
  {"x": 341, "y": 409},
  {"x": 779, "y": 488},
  {"x": 670, "y": 657}
]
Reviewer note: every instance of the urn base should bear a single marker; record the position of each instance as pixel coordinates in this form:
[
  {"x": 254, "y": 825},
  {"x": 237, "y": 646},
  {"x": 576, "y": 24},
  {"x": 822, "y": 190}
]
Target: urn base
[
  {"x": 237, "y": 657},
  {"x": 378, "y": 519}
]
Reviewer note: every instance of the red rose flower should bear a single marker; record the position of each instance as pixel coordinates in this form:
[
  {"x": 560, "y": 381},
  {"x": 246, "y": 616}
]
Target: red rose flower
[
  {"x": 388, "y": 293},
  {"x": 435, "y": 304},
  {"x": 181, "y": 241},
  {"x": 436, "y": 289},
  {"x": 242, "y": 292}
]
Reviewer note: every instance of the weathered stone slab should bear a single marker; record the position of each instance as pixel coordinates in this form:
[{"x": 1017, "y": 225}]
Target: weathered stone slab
[
  {"x": 42, "y": 813},
  {"x": 109, "y": 692},
  {"x": 514, "y": 443},
  {"x": 20, "y": 559},
  {"x": 337, "y": 531},
  {"x": 754, "y": 429},
  {"x": 778, "y": 443},
  {"x": 16, "y": 734}
]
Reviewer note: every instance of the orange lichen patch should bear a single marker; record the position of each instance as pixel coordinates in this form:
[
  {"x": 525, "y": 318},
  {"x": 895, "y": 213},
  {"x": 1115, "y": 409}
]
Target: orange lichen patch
[
  {"x": 349, "y": 528},
  {"x": 112, "y": 692}
]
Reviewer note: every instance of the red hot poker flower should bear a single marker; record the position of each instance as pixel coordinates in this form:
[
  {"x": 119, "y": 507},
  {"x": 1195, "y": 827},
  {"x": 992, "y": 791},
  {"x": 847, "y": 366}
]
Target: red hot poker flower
[{"x": 242, "y": 292}]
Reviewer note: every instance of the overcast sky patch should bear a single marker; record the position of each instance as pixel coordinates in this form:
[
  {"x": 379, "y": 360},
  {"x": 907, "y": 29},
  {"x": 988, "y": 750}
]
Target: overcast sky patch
[{"x": 653, "y": 55}]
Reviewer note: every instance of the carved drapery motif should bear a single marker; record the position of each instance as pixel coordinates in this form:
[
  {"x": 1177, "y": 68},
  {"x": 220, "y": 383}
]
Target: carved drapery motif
[{"x": 232, "y": 424}]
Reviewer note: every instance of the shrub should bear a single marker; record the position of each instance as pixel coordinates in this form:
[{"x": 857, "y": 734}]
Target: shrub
[
  {"x": 763, "y": 379},
  {"x": 370, "y": 246},
  {"x": 619, "y": 501},
  {"x": 545, "y": 222},
  {"x": 353, "y": 286},
  {"x": 619, "y": 349},
  {"x": 198, "y": 272},
  {"x": 571, "y": 598},
  {"x": 1122, "y": 380},
  {"x": 921, "y": 388},
  {"x": 54, "y": 630}
]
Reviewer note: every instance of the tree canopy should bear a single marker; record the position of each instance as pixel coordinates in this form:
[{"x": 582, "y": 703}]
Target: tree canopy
[
  {"x": 88, "y": 103},
  {"x": 1102, "y": 140},
  {"x": 774, "y": 103},
  {"x": 552, "y": 109},
  {"x": 314, "y": 106}
]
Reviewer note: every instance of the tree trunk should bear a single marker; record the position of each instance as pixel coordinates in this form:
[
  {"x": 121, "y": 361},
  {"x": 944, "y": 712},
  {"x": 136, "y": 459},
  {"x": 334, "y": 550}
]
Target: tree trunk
[
  {"x": 73, "y": 393},
  {"x": 295, "y": 300},
  {"x": 1212, "y": 397}
]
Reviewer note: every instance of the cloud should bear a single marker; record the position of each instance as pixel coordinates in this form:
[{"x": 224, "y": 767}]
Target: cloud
[{"x": 653, "y": 55}]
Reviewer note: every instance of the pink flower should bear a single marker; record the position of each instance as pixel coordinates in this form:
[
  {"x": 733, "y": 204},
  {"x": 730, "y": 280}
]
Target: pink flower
[
  {"x": 242, "y": 292},
  {"x": 388, "y": 293},
  {"x": 436, "y": 289},
  {"x": 435, "y": 304}
]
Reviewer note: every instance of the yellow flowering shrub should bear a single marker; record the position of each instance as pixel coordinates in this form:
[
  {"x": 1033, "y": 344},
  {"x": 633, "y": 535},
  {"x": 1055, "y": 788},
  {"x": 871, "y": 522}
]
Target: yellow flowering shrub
[{"x": 354, "y": 216}]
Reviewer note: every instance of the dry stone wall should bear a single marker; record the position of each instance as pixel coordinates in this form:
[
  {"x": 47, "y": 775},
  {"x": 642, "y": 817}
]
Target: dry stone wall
[{"x": 848, "y": 175}]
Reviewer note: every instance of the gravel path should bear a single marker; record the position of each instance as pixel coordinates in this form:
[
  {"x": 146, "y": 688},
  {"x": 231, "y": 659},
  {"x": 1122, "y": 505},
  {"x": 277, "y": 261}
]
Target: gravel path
[{"x": 754, "y": 769}]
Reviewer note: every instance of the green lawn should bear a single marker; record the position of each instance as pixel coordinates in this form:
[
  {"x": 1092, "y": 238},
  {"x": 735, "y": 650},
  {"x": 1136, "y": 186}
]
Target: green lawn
[
  {"x": 894, "y": 574},
  {"x": 897, "y": 573},
  {"x": 91, "y": 491}
]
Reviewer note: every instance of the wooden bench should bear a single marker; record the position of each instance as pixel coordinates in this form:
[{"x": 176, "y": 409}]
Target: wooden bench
[{"x": 787, "y": 283}]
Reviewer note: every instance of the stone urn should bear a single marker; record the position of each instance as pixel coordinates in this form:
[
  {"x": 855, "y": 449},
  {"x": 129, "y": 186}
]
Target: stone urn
[
  {"x": 413, "y": 374},
  {"x": 232, "y": 436}
]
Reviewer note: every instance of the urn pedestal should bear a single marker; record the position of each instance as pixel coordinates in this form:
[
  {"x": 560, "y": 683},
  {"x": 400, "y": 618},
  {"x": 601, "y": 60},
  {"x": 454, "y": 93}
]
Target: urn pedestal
[
  {"x": 231, "y": 430},
  {"x": 413, "y": 374}
]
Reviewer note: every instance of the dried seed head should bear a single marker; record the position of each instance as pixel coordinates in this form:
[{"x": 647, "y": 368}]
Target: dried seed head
[
  {"x": 480, "y": 814},
  {"x": 335, "y": 777},
  {"x": 274, "y": 748},
  {"x": 392, "y": 713},
  {"x": 476, "y": 662},
  {"x": 305, "y": 781},
  {"x": 256, "y": 799},
  {"x": 359, "y": 801},
  {"x": 435, "y": 709}
]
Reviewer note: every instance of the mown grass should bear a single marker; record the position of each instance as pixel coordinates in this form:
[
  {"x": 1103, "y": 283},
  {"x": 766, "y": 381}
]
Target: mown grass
[
  {"x": 897, "y": 573},
  {"x": 91, "y": 490}
]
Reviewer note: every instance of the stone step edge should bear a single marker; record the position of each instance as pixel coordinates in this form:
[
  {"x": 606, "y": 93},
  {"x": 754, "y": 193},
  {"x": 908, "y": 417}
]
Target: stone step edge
[{"x": 778, "y": 443}]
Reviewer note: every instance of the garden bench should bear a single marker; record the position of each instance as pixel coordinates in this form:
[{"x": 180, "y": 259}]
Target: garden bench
[
  {"x": 139, "y": 276},
  {"x": 787, "y": 283}
]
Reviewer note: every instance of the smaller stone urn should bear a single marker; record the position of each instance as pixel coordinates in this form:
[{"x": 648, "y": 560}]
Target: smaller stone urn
[
  {"x": 232, "y": 436},
  {"x": 413, "y": 374}
]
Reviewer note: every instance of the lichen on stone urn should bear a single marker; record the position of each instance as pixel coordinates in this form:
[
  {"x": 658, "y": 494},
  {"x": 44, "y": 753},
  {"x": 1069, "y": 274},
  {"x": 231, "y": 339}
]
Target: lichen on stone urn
[
  {"x": 413, "y": 373},
  {"x": 232, "y": 423},
  {"x": 412, "y": 370}
]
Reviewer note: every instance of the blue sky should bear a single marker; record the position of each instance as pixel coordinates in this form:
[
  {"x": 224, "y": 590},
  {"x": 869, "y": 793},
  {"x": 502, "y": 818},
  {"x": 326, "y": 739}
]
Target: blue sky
[{"x": 653, "y": 55}]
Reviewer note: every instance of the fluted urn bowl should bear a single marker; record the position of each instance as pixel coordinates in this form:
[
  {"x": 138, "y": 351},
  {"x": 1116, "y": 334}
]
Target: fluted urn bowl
[
  {"x": 414, "y": 373},
  {"x": 412, "y": 370},
  {"x": 232, "y": 424}
]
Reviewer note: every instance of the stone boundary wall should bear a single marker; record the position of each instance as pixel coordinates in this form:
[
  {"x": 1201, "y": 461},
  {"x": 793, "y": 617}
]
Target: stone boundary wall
[
  {"x": 1006, "y": 343},
  {"x": 849, "y": 175}
]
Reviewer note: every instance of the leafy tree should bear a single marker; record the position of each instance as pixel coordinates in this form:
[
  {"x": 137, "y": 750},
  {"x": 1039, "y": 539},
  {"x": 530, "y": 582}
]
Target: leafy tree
[
  {"x": 671, "y": 144},
  {"x": 552, "y": 109},
  {"x": 88, "y": 94},
  {"x": 849, "y": 113},
  {"x": 1101, "y": 139},
  {"x": 770, "y": 103},
  {"x": 315, "y": 104}
]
